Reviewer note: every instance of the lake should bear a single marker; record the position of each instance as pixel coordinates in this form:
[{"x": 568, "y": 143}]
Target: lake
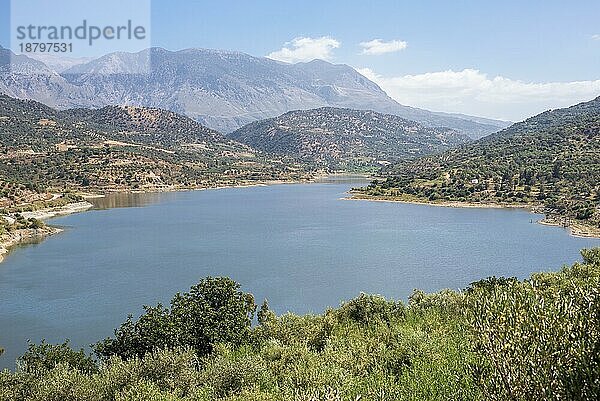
[{"x": 300, "y": 246}]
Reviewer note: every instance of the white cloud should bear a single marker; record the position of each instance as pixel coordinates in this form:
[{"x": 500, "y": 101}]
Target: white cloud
[
  {"x": 472, "y": 92},
  {"x": 377, "y": 47},
  {"x": 306, "y": 49},
  {"x": 596, "y": 37}
]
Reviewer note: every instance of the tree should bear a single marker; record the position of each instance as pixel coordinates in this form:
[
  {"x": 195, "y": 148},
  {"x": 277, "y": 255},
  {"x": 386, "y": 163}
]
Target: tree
[
  {"x": 213, "y": 311},
  {"x": 154, "y": 329},
  {"x": 265, "y": 314}
]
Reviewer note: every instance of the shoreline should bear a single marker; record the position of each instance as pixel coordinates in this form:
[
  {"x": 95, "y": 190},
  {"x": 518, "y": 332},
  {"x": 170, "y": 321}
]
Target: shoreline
[
  {"x": 48, "y": 213},
  {"x": 454, "y": 204},
  {"x": 576, "y": 229},
  {"x": 22, "y": 236},
  {"x": 318, "y": 178},
  {"x": 104, "y": 193}
]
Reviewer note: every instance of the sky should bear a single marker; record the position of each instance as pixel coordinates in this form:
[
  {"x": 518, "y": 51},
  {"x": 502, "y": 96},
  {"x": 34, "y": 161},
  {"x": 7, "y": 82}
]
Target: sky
[{"x": 500, "y": 59}]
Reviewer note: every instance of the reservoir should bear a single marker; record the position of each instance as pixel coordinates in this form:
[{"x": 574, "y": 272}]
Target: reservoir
[{"x": 299, "y": 245}]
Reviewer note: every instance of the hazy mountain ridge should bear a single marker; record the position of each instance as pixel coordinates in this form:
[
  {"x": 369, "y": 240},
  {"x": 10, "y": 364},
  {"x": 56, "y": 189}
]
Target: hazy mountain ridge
[
  {"x": 59, "y": 63},
  {"x": 221, "y": 89},
  {"x": 344, "y": 138}
]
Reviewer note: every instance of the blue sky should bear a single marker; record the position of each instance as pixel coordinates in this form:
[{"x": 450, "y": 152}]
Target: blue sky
[
  {"x": 484, "y": 49},
  {"x": 528, "y": 40}
]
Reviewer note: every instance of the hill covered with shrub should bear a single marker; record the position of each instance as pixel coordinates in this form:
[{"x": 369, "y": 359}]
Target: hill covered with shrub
[
  {"x": 346, "y": 139},
  {"x": 122, "y": 148},
  {"x": 551, "y": 161}
]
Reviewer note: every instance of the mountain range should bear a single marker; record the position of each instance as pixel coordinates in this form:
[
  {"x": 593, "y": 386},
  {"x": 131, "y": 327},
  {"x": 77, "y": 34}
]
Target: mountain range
[
  {"x": 223, "y": 90},
  {"x": 130, "y": 147},
  {"x": 346, "y": 139}
]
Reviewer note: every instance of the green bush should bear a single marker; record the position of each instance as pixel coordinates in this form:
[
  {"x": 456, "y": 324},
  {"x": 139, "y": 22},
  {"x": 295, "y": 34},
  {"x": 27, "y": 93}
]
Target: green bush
[
  {"x": 40, "y": 358},
  {"x": 447, "y": 302},
  {"x": 540, "y": 339},
  {"x": 229, "y": 371},
  {"x": 367, "y": 309}
]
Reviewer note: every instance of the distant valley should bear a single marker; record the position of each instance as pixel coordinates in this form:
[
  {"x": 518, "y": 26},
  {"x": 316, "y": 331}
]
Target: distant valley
[{"x": 124, "y": 148}]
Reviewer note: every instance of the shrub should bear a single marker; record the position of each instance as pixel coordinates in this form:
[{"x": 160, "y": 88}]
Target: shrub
[
  {"x": 540, "y": 339},
  {"x": 447, "y": 302},
  {"x": 213, "y": 311},
  {"x": 228, "y": 371},
  {"x": 40, "y": 358},
  {"x": 368, "y": 308}
]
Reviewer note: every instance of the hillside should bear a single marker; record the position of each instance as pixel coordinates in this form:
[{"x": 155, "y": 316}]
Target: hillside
[
  {"x": 119, "y": 148},
  {"x": 149, "y": 125},
  {"x": 346, "y": 139},
  {"x": 223, "y": 90},
  {"x": 551, "y": 160}
]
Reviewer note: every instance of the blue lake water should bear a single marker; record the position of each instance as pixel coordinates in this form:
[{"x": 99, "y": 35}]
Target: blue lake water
[{"x": 300, "y": 246}]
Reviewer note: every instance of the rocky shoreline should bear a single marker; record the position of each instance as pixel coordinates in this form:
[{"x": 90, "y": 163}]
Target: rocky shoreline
[
  {"x": 23, "y": 236},
  {"x": 355, "y": 196},
  {"x": 19, "y": 236},
  {"x": 575, "y": 229},
  {"x": 44, "y": 214}
]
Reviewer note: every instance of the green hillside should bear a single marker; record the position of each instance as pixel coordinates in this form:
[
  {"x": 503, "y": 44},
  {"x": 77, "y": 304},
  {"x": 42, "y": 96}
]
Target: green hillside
[
  {"x": 551, "y": 161},
  {"x": 120, "y": 148},
  {"x": 345, "y": 139}
]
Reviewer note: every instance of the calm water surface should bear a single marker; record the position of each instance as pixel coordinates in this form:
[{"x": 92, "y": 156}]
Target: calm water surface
[{"x": 300, "y": 246}]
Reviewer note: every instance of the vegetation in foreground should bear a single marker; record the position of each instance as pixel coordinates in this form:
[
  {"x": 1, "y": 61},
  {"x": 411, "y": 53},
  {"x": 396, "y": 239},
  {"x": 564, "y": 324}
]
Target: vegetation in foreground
[
  {"x": 500, "y": 339},
  {"x": 551, "y": 161}
]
